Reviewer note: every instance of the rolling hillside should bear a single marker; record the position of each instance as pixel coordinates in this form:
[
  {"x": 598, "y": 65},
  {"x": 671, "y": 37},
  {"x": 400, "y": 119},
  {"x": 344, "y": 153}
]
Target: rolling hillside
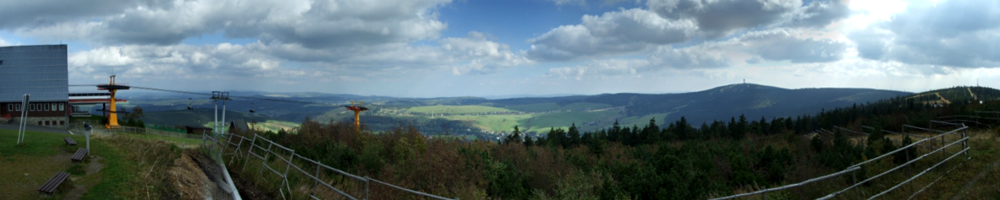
[
  {"x": 721, "y": 103},
  {"x": 481, "y": 116},
  {"x": 954, "y": 94}
]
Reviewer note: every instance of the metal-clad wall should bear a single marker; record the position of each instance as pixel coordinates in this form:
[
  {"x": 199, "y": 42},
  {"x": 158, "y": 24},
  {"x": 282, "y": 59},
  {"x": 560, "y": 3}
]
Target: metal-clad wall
[{"x": 39, "y": 70}]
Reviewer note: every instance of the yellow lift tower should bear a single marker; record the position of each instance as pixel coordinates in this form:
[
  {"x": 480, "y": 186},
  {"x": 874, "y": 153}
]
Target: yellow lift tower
[
  {"x": 112, "y": 112},
  {"x": 357, "y": 107}
]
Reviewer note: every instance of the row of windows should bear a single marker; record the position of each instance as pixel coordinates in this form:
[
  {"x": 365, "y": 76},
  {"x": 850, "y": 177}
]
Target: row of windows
[
  {"x": 38, "y": 107},
  {"x": 52, "y": 123}
]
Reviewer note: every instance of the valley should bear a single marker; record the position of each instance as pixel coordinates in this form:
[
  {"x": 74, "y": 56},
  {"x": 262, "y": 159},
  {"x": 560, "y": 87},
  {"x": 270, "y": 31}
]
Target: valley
[{"x": 490, "y": 119}]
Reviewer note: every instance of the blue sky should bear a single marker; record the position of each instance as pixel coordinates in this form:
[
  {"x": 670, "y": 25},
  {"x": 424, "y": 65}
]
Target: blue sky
[{"x": 434, "y": 48}]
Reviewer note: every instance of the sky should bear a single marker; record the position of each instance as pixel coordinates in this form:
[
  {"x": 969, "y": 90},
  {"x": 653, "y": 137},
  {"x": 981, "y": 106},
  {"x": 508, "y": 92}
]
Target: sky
[{"x": 446, "y": 48}]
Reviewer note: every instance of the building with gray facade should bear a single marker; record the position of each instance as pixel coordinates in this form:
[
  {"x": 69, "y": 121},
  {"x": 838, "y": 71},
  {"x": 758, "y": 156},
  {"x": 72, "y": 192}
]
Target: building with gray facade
[{"x": 40, "y": 71}]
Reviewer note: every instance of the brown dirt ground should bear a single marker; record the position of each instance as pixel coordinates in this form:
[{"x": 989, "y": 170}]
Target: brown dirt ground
[
  {"x": 248, "y": 190},
  {"x": 188, "y": 179}
]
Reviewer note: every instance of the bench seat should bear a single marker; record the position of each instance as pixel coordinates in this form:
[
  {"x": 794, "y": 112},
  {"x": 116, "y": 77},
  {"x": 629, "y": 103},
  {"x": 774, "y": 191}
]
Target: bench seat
[
  {"x": 50, "y": 186},
  {"x": 70, "y": 141},
  {"x": 80, "y": 155}
]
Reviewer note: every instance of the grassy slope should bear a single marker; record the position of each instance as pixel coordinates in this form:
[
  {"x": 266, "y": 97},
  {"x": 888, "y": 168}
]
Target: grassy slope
[
  {"x": 644, "y": 120},
  {"x": 28, "y": 167},
  {"x": 493, "y": 122},
  {"x": 543, "y": 122},
  {"x": 550, "y": 106},
  {"x": 457, "y": 109}
]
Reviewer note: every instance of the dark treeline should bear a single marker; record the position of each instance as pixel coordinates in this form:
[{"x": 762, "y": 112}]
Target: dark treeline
[
  {"x": 742, "y": 153},
  {"x": 888, "y": 114},
  {"x": 676, "y": 160}
]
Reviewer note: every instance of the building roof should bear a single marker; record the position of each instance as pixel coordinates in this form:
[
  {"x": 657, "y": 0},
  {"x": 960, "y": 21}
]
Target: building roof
[
  {"x": 38, "y": 70},
  {"x": 239, "y": 124}
]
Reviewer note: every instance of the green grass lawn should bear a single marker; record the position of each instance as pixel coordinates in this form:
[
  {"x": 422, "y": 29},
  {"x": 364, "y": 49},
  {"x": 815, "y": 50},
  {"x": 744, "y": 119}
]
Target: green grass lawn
[
  {"x": 493, "y": 122},
  {"x": 543, "y": 122},
  {"x": 551, "y": 106},
  {"x": 26, "y": 167},
  {"x": 643, "y": 120},
  {"x": 457, "y": 109}
]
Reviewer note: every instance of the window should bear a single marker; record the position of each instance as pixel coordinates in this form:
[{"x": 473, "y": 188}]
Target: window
[
  {"x": 10, "y": 107},
  {"x": 45, "y": 106},
  {"x": 17, "y": 107},
  {"x": 62, "y": 107},
  {"x": 54, "y": 108},
  {"x": 31, "y": 107}
]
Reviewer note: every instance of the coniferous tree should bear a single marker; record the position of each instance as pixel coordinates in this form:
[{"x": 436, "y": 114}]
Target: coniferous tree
[
  {"x": 514, "y": 137},
  {"x": 574, "y": 136}
]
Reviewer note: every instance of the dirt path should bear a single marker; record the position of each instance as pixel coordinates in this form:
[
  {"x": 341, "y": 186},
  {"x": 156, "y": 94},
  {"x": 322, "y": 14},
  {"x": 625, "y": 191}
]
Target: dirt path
[
  {"x": 942, "y": 98},
  {"x": 93, "y": 166},
  {"x": 188, "y": 179},
  {"x": 973, "y": 94},
  {"x": 968, "y": 186}
]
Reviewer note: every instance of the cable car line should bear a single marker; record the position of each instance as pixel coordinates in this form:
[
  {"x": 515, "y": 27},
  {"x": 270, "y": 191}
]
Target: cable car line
[{"x": 206, "y": 94}]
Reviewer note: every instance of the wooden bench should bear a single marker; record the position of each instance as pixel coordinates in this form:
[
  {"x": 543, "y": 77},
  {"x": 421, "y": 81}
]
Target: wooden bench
[
  {"x": 50, "y": 186},
  {"x": 80, "y": 155},
  {"x": 69, "y": 141}
]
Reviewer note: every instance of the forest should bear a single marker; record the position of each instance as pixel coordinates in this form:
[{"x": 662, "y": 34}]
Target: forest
[{"x": 679, "y": 161}]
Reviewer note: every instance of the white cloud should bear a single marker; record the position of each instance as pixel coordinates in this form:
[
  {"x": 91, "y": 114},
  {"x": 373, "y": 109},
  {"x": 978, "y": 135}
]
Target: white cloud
[
  {"x": 719, "y": 18},
  {"x": 929, "y": 33},
  {"x": 475, "y": 54},
  {"x": 313, "y": 24},
  {"x": 612, "y": 33},
  {"x": 569, "y": 2},
  {"x": 673, "y": 22},
  {"x": 483, "y": 55},
  {"x": 164, "y": 62},
  {"x": 602, "y": 69}
]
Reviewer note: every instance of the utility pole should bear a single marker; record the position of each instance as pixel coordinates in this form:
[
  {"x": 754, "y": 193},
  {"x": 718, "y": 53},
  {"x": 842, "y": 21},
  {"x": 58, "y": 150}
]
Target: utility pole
[
  {"x": 24, "y": 114},
  {"x": 216, "y": 96}
]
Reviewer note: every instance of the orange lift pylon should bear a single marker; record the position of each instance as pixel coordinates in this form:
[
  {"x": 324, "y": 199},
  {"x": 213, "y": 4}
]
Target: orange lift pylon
[
  {"x": 357, "y": 107},
  {"x": 112, "y": 112}
]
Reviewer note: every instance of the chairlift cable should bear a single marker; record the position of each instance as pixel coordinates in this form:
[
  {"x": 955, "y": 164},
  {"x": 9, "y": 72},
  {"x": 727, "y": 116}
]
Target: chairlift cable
[{"x": 208, "y": 94}]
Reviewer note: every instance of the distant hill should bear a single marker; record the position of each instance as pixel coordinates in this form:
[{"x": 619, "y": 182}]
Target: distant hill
[
  {"x": 721, "y": 103},
  {"x": 534, "y": 114},
  {"x": 960, "y": 93},
  {"x": 196, "y": 117}
]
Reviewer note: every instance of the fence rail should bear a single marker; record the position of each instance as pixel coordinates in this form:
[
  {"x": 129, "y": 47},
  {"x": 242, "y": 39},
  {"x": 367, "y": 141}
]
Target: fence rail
[
  {"x": 285, "y": 162},
  {"x": 963, "y": 141}
]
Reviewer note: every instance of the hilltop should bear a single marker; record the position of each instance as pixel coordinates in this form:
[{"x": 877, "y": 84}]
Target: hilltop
[{"x": 487, "y": 118}]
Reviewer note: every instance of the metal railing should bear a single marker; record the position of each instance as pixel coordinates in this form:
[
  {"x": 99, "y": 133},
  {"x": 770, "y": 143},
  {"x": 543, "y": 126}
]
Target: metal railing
[
  {"x": 283, "y": 163},
  {"x": 963, "y": 141},
  {"x": 211, "y": 146}
]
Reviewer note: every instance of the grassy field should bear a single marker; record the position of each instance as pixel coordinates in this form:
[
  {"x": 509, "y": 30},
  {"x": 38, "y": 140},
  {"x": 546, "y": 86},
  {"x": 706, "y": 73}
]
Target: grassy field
[
  {"x": 504, "y": 123},
  {"x": 543, "y": 122},
  {"x": 643, "y": 120},
  {"x": 269, "y": 125},
  {"x": 551, "y": 106},
  {"x": 26, "y": 167},
  {"x": 457, "y": 109},
  {"x": 276, "y": 125}
]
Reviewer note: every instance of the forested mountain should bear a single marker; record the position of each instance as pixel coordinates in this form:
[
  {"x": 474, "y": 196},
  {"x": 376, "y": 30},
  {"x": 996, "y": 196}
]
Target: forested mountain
[
  {"x": 535, "y": 115},
  {"x": 678, "y": 160},
  {"x": 723, "y": 102}
]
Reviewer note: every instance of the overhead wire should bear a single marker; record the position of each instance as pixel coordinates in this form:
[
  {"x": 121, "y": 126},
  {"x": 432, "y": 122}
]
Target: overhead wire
[{"x": 208, "y": 94}]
